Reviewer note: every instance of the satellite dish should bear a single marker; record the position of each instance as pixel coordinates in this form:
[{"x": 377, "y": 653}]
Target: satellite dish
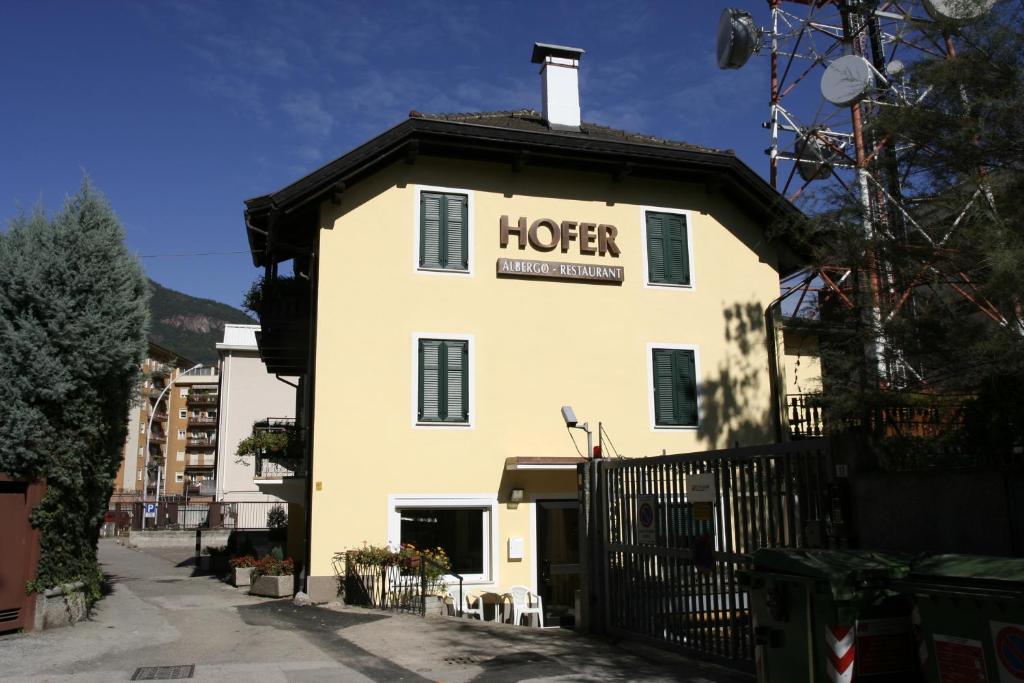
[
  {"x": 813, "y": 156},
  {"x": 957, "y": 10},
  {"x": 738, "y": 38},
  {"x": 847, "y": 80},
  {"x": 894, "y": 68}
]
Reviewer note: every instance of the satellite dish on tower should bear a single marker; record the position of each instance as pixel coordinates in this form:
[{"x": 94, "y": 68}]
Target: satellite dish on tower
[
  {"x": 738, "y": 38},
  {"x": 813, "y": 156},
  {"x": 847, "y": 80},
  {"x": 958, "y": 10}
]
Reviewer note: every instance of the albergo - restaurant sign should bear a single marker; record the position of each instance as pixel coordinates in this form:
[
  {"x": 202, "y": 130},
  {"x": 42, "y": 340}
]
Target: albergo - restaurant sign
[{"x": 546, "y": 234}]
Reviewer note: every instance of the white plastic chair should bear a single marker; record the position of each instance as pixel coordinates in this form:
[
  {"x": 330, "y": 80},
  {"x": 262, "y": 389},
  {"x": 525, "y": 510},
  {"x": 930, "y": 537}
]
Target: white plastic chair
[
  {"x": 469, "y": 600},
  {"x": 524, "y": 603}
]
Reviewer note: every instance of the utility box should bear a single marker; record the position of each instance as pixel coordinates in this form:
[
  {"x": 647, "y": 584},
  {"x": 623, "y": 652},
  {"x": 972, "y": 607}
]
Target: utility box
[
  {"x": 830, "y": 615},
  {"x": 970, "y": 614}
]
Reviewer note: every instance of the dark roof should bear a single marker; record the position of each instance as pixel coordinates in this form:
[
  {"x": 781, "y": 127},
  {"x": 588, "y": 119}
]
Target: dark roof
[
  {"x": 530, "y": 120},
  {"x": 520, "y": 138}
]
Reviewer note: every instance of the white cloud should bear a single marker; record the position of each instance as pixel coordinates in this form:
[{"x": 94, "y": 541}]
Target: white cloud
[{"x": 307, "y": 114}]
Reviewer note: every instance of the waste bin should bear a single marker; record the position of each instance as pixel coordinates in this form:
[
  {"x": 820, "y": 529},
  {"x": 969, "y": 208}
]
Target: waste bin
[
  {"x": 830, "y": 615},
  {"x": 970, "y": 611}
]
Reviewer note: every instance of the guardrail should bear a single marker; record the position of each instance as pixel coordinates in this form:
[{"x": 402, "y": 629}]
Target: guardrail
[{"x": 184, "y": 515}]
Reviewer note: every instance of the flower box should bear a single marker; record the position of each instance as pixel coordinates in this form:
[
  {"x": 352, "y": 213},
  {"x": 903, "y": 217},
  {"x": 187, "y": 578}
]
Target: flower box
[
  {"x": 241, "y": 576},
  {"x": 273, "y": 586}
]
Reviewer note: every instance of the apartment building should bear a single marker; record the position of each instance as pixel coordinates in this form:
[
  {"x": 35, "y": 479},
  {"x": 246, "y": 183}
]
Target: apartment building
[
  {"x": 461, "y": 277},
  {"x": 182, "y": 432}
]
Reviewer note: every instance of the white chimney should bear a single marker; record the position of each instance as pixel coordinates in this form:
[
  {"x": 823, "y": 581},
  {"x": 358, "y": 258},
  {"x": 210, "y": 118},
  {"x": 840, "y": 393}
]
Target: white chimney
[{"x": 559, "y": 73}]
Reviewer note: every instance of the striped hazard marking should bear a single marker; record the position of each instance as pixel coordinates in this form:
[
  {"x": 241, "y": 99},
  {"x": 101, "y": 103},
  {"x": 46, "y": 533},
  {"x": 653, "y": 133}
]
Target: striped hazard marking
[{"x": 839, "y": 652}]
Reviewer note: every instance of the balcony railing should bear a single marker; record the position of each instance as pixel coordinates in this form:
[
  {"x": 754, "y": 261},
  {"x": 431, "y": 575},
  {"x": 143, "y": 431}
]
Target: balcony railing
[
  {"x": 157, "y": 437},
  {"x": 278, "y": 469},
  {"x": 202, "y": 421},
  {"x": 203, "y": 399},
  {"x": 160, "y": 416},
  {"x": 202, "y": 443}
]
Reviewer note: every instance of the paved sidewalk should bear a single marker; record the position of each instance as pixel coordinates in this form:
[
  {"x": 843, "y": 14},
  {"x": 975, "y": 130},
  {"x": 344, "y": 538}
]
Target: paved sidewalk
[{"x": 158, "y": 614}]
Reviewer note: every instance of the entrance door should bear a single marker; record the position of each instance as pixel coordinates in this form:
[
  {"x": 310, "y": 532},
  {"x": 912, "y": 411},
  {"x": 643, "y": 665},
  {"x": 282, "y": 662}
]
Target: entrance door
[{"x": 558, "y": 559}]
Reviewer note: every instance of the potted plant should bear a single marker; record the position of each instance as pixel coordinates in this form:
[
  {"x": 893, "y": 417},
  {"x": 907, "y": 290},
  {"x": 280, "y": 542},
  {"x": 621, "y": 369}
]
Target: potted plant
[
  {"x": 272, "y": 576},
  {"x": 241, "y": 569}
]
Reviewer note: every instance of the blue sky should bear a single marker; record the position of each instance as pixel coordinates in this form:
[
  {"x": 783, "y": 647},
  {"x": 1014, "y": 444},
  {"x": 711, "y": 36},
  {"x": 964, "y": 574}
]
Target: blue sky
[{"x": 181, "y": 110}]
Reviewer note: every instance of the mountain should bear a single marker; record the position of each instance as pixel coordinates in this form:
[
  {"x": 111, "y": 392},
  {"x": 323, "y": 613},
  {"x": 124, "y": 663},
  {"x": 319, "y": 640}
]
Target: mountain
[{"x": 188, "y": 325}]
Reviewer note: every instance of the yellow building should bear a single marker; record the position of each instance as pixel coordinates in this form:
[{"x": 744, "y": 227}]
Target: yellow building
[{"x": 460, "y": 278}]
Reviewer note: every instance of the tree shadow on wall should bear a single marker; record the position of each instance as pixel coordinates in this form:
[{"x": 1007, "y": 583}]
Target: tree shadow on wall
[{"x": 736, "y": 402}]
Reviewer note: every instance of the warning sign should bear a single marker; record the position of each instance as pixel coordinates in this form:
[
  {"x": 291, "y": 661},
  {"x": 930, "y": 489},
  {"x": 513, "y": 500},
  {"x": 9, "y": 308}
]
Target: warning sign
[
  {"x": 1008, "y": 643},
  {"x": 959, "y": 660},
  {"x": 884, "y": 646},
  {"x": 645, "y": 516}
]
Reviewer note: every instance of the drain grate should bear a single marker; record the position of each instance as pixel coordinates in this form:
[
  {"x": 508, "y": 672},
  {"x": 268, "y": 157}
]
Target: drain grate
[
  {"x": 164, "y": 673},
  {"x": 461, "y": 660}
]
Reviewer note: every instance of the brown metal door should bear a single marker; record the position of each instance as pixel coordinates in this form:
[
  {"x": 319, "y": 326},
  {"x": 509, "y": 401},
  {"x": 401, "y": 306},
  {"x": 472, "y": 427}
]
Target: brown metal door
[{"x": 16, "y": 540}]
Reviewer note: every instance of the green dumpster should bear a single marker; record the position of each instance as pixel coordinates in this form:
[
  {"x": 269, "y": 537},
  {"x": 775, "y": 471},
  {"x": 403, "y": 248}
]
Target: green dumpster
[
  {"x": 970, "y": 611},
  {"x": 830, "y": 615}
]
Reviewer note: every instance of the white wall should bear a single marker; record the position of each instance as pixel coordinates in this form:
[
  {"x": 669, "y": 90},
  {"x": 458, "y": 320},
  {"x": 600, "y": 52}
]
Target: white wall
[{"x": 247, "y": 393}]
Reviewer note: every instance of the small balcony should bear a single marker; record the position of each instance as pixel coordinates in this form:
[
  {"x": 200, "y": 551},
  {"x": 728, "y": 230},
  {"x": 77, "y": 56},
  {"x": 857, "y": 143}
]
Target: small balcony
[
  {"x": 202, "y": 421},
  {"x": 160, "y": 416},
  {"x": 278, "y": 468},
  {"x": 157, "y": 437},
  {"x": 202, "y": 399},
  {"x": 200, "y": 442}
]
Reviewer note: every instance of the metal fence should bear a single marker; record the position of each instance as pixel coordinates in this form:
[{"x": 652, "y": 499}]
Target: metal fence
[
  {"x": 670, "y": 572},
  {"x": 203, "y": 515},
  {"x": 404, "y": 586}
]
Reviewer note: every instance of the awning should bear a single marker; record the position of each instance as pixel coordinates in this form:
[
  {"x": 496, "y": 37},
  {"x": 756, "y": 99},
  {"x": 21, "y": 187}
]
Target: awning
[{"x": 540, "y": 463}]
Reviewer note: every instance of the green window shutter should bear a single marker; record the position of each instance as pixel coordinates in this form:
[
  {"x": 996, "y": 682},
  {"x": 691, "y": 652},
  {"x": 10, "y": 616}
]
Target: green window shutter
[
  {"x": 456, "y": 238},
  {"x": 668, "y": 259},
  {"x": 443, "y": 381},
  {"x": 664, "y": 412},
  {"x": 430, "y": 380},
  {"x": 430, "y": 230},
  {"x": 456, "y": 382},
  {"x": 444, "y": 240},
  {"x": 655, "y": 248},
  {"x": 675, "y": 388},
  {"x": 685, "y": 388}
]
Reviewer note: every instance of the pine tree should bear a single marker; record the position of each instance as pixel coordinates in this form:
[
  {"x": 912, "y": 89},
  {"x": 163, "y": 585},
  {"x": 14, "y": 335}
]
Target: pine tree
[
  {"x": 959, "y": 235},
  {"x": 73, "y": 324}
]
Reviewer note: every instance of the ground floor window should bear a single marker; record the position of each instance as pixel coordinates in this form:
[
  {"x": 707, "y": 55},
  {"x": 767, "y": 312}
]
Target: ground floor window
[
  {"x": 459, "y": 531},
  {"x": 464, "y": 525}
]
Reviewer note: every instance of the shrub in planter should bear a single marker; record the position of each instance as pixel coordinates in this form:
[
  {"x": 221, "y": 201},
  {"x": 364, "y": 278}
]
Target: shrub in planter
[
  {"x": 272, "y": 575},
  {"x": 241, "y": 569}
]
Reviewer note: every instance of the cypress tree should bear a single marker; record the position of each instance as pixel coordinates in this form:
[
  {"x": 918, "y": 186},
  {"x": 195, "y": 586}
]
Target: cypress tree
[{"x": 73, "y": 325}]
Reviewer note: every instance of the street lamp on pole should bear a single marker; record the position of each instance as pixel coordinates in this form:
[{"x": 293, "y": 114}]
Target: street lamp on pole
[{"x": 149, "y": 430}]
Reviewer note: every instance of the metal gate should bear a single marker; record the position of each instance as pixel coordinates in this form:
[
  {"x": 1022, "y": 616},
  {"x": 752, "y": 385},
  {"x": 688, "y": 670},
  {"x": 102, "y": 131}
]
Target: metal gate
[
  {"x": 671, "y": 572},
  {"x": 19, "y": 551}
]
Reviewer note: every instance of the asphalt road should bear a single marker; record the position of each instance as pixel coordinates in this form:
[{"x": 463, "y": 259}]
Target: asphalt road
[{"x": 158, "y": 614}]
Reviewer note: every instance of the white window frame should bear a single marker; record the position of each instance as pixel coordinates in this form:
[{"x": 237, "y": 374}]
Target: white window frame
[
  {"x": 489, "y": 501},
  {"x": 183, "y": 392},
  {"x": 182, "y": 414},
  {"x": 470, "y": 422},
  {"x": 179, "y": 477},
  {"x": 655, "y": 427},
  {"x": 179, "y": 456},
  {"x": 419, "y": 190},
  {"x": 182, "y": 434},
  {"x": 688, "y": 216}
]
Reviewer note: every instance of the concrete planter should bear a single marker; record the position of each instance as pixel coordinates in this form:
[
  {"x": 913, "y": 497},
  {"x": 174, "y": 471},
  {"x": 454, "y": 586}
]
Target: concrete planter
[
  {"x": 273, "y": 586},
  {"x": 241, "y": 576},
  {"x": 61, "y": 606}
]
